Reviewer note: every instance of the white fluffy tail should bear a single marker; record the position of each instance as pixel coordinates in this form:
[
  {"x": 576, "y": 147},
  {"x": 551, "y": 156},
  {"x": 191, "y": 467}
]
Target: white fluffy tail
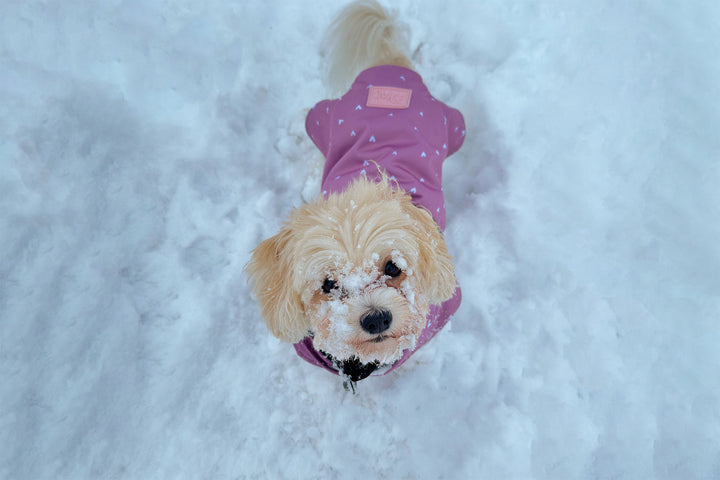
[{"x": 363, "y": 35}]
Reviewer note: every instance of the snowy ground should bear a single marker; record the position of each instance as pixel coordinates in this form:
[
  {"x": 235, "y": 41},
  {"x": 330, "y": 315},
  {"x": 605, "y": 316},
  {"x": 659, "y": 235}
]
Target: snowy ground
[{"x": 147, "y": 146}]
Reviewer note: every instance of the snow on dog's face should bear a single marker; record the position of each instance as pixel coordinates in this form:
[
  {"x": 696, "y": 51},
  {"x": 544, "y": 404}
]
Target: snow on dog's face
[
  {"x": 372, "y": 311},
  {"x": 357, "y": 271}
]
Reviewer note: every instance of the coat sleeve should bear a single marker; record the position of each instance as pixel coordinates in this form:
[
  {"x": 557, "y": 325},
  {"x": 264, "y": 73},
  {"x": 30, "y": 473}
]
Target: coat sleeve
[
  {"x": 456, "y": 130},
  {"x": 318, "y": 123}
]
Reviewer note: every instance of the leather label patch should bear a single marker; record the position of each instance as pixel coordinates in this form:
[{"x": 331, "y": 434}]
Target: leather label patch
[{"x": 389, "y": 97}]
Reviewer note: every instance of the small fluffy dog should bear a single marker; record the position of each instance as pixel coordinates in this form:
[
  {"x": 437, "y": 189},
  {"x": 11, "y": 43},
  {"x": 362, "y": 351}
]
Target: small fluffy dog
[{"x": 361, "y": 278}]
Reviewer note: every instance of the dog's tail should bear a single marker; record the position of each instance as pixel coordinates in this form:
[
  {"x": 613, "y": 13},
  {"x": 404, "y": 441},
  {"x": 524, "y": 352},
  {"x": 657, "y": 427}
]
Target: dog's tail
[{"x": 363, "y": 35}]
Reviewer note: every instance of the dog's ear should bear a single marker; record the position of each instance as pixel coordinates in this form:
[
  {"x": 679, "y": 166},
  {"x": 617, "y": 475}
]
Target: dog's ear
[
  {"x": 270, "y": 270},
  {"x": 436, "y": 273}
]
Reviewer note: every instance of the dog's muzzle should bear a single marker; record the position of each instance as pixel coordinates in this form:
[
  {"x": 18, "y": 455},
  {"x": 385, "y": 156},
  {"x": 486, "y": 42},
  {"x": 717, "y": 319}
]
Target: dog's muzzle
[{"x": 375, "y": 321}]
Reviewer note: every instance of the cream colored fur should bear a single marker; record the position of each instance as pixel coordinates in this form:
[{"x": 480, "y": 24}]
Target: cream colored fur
[{"x": 362, "y": 36}]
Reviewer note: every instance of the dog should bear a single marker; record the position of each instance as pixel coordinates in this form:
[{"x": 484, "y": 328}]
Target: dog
[{"x": 361, "y": 278}]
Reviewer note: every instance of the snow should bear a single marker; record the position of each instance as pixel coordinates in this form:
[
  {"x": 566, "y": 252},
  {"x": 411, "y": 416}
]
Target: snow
[{"x": 147, "y": 147}]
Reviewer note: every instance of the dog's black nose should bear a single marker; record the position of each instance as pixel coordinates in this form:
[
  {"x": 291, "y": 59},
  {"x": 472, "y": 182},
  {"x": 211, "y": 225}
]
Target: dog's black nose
[{"x": 376, "y": 321}]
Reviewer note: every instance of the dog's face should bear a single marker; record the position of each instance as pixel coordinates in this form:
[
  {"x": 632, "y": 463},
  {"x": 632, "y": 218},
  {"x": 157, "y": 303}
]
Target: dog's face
[{"x": 357, "y": 271}]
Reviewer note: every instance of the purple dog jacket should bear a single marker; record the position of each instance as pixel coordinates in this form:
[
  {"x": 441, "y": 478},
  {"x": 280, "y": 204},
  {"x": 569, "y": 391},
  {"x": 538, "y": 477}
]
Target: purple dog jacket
[{"x": 388, "y": 117}]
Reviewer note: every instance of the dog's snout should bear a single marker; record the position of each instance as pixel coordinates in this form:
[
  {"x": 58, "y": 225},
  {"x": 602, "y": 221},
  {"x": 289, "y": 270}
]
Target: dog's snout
[{"x": 376, "y": 321}]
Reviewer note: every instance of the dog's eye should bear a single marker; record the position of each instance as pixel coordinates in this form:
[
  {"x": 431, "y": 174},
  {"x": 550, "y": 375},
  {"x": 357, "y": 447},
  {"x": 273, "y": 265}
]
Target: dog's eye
[
  {"x": 392, "y": 270},
  {"x": 329, "y": 285}
]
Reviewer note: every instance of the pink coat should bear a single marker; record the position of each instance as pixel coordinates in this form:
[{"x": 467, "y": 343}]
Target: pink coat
[{"x": 388, "y": 116}]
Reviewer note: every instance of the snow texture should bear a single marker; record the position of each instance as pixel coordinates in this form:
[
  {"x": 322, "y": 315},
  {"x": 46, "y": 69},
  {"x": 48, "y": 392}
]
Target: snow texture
[{"x": 146, "y": 147}]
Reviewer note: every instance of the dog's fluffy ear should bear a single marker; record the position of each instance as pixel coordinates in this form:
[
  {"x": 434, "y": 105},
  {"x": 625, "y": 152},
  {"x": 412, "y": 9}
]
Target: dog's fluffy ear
[
  {"x": 270, "y": 271},
  {"x": 435, "y": 269}
]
